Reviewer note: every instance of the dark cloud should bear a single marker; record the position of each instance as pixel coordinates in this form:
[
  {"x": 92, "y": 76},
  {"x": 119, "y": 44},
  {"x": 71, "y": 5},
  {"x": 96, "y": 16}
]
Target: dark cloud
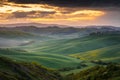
[
  {"x": 20, "y": 14},
  {"x": 74, "y": 3},
  {"x": 31, "y": 14},
  {"x": 45, "y": 14}
]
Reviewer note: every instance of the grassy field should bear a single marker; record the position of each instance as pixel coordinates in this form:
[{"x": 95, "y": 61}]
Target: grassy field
[
  {"x": 111, "y": 53},
  {"x": 48, "y": 60},
  {"x": 68, "y": 52},
  {"x": 12, "y": 70},
  {"x": 72, "y": 46}
]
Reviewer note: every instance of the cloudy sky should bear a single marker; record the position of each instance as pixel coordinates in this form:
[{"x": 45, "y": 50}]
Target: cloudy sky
[{"x": 63, "y": 12}]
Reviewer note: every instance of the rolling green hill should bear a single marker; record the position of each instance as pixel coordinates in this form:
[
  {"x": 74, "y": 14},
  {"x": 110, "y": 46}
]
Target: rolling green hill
[
  {"x": 111, "y": 53},
  {"x": 109, "y": 72},
  {"x": 12, "y": 70},
  {"x": 104, "y": 47},
  {"x": 92, "y": 47},
  {"x": 46, "y": 59},
  {"x": 68, "y": 56},
  {"x": 72, "y": 46}
]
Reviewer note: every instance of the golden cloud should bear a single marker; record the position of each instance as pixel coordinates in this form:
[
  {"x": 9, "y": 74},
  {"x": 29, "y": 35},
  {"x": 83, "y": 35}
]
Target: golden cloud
[{"x": 42, "y": 12}]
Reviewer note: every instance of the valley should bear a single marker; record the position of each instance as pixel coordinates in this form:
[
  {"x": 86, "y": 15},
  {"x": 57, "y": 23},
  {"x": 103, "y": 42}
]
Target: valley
[{"x": 65, "y": 50}]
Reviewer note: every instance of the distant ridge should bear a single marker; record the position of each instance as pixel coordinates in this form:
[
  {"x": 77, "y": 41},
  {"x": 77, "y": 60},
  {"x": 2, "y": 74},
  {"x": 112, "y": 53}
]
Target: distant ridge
[
  {"x": 58, "y": 30},
  {"x": 31, "y": 24},
  {"x": 53, "y": 25}
]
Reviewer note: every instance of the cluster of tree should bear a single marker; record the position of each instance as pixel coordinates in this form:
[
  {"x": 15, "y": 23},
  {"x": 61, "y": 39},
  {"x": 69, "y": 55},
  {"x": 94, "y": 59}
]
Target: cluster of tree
[
  {"x": 109, "y": 72},
  {"x": 98, "y": 33},
  {"x": 79, "y": 66},
  {"x": 100, "y": 62}
]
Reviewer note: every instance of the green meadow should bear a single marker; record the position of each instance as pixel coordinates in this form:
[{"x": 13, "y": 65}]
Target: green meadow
[
  {"x": 66, "y": 56},
  {"x": 68, "y": 52}
]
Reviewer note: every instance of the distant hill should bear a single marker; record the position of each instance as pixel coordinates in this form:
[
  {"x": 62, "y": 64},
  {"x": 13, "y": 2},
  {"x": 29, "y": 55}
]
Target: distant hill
[
  {"x": 30, "y": 24},
  {"x": 58, "y": 32},
  {"x": 14, "y": 34}
]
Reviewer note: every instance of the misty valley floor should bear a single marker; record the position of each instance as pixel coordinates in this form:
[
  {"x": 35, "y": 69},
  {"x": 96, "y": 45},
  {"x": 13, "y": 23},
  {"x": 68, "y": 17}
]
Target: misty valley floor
[{"x": 55, "y": 53}]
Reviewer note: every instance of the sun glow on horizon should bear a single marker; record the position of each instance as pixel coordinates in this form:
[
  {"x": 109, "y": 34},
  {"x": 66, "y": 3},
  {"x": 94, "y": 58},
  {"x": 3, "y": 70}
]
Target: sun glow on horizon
[{"x": 43, "y": 12}]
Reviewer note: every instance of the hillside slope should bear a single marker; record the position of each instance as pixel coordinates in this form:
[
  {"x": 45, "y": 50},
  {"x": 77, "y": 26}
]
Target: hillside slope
[
  {"x": 109, "y": 72},
  {"x": 77, "y": 45},
  {"x": 11, "y": 70},
  {"x": 46, "y": 59},
  {"x": 92, "y": 47},
  {"x": 111, "y": 53}
]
